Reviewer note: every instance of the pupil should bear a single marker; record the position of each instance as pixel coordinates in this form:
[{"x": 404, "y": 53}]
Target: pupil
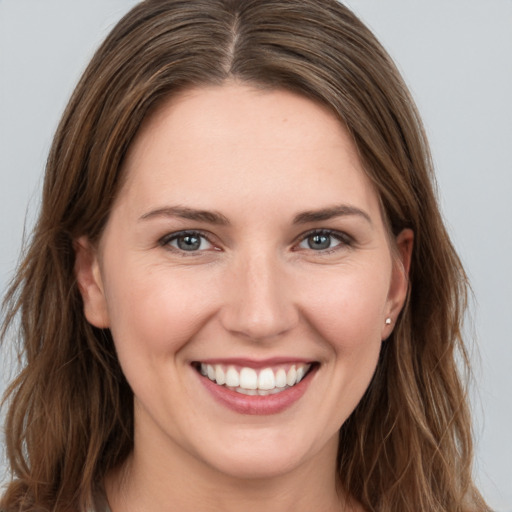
[
  {"x": 319, "y": 241},
  {"x": 189, "y": 243}
]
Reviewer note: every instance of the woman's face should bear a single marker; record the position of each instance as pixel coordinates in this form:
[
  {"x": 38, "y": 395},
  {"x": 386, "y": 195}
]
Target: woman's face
[{"x": 246, "y": 243}]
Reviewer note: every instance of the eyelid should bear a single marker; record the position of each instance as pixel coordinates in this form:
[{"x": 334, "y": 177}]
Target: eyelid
[
  {"x": 166, "y": 239},
  {"x": 345, "y": 239}
]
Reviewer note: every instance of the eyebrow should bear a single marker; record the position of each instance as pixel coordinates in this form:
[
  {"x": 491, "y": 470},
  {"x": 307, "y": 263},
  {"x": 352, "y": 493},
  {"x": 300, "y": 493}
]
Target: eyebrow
[
  {"x": 211, "y": 217},
  {"x": 330, "y": 213}
]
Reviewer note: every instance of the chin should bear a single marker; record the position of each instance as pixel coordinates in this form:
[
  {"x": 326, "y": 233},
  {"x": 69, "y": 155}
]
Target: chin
[
  {"x": 260, "y": 464},
  {"x": 266, "y": 454}
]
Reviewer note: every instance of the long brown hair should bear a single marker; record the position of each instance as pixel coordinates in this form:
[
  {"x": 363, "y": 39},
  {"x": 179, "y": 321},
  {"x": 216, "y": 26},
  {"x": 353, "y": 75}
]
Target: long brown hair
[{"x": 407, "y": 446}]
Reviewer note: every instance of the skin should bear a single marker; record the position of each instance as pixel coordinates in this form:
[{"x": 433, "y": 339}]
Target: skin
[{"x": 255, "y": 289}]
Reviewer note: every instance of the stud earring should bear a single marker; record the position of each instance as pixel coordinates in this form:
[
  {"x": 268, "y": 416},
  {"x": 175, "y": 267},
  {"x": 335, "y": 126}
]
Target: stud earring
[{"x": 388, "y": 321}]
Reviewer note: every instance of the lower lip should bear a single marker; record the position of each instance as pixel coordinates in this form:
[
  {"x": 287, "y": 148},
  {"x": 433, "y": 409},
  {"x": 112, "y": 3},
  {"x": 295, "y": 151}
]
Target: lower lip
[{"x": 256, "y": 404}]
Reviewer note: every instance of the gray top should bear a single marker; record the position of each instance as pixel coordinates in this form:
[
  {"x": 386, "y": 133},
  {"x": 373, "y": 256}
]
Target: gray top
[{"x": 100, "y": 502}]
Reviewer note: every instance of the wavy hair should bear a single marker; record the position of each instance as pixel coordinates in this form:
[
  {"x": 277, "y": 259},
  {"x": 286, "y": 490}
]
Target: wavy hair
[{"x": 407, "y": 446}]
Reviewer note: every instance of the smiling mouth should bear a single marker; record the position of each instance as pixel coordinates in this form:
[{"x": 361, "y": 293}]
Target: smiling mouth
[{"x": 251, "y": 381}]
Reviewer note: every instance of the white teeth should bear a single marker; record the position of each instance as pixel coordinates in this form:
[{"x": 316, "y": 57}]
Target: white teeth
[
  {"x": 266, "y": 379},
  {"x": 280, "y": 378},
  {"x": 220, "y": 376},
  {"x": 248, "y": 378},
  {"x": 232, "y": 378},
  {"x": 255, "y": 382},
  {"x": 245, "y": 391},
  {"x": 291, "y": 377}
]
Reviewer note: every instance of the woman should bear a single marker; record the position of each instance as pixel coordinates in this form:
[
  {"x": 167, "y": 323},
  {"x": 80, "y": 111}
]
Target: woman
[{"x": 240, "y": 293}]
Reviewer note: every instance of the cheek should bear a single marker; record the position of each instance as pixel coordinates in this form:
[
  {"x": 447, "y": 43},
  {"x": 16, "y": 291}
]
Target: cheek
[
  {"x": 154, "y": 313},
  {"x": 348, "y": 310},
  {"x": 348, "y": 322}
]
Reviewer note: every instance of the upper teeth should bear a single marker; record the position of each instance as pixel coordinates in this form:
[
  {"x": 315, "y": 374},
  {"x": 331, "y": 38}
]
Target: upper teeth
[{"x": 245, "y": 380}]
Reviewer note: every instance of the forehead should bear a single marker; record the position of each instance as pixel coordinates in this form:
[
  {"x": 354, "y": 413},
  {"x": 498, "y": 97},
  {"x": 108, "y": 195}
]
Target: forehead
[{"x": 239, "y": 139}]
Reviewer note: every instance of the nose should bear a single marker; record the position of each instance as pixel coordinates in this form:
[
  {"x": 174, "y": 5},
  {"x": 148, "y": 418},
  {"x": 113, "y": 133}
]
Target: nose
[{"x": 258, "y": 301}]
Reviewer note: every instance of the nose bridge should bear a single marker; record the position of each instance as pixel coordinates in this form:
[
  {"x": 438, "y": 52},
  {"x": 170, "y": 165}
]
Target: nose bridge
[{"x": 259, "y": 304}]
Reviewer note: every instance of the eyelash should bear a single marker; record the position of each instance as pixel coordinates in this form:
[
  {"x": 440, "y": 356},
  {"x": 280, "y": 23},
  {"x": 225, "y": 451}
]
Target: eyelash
[
  {"x": 343, "y": 238},
  {"x": 167, "y": 239}
]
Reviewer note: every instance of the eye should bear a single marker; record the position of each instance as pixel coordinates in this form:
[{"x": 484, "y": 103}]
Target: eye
[
  {"x": 187, "y": 241},
  {"x": 324, "y": 240}
]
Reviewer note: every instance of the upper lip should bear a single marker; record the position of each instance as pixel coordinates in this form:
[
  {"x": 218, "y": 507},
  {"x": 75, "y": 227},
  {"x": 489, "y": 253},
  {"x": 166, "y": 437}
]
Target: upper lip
[{"x": 254, "y": 363}]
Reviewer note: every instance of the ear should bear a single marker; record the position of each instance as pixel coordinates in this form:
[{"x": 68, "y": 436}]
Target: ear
[
  {"x": 399, "y": 279},
  {"x": 87, "y": 272}
]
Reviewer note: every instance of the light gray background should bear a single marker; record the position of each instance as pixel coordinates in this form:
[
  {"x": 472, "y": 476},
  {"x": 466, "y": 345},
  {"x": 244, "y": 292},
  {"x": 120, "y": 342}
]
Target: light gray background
[{"x": 456, "y": 56}]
